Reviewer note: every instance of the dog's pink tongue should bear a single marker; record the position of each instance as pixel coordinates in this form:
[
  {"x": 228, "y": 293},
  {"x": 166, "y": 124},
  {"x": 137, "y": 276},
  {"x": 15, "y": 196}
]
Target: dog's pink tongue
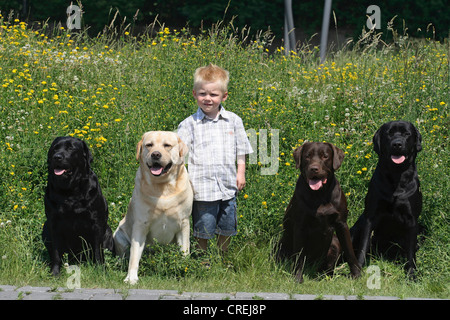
[
  {"x": 156, "y": 171},
  {"x": 398, "y": 159},
  {"x": 59, "y": 172},
  {"x": 315, "y": 184}
]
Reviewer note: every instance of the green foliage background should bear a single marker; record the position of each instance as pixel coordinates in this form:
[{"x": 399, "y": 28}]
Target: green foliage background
[
  {"x": 110, "y": 89},
  {"x": 350, "y": 14}
]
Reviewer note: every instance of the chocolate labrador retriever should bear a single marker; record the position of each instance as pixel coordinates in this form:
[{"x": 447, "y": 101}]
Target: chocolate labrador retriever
[
  {"x": 317, "y": 209},
  {"x": 394, "y": 201}
]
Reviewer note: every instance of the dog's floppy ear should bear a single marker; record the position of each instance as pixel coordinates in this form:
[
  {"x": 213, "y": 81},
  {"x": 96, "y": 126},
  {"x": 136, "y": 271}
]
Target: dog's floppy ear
[
  {"x": 338, "y": 157},
  {"x": 182, "y": 147},
  {"x": 139, "y": 148},
  {"x": 87, "y": 154},
  {"x": 418, "y": 140},
  {"x": 376, "y": 140},
  {"x": 298, "y": 156}
]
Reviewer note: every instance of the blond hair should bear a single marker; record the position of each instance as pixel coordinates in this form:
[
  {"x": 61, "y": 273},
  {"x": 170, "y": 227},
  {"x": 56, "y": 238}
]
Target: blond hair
[{"x": 212, "y": 73}]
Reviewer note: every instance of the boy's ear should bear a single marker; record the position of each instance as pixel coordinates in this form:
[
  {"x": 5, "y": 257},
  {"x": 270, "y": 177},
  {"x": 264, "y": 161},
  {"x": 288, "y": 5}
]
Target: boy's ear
[
  {"x": 194, "y": 94},
  {"x": 225, "y": 96}
]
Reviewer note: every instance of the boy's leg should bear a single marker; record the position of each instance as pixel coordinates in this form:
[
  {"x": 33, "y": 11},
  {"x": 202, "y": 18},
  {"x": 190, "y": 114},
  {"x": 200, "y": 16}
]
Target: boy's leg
[
  {"x": 226, "y": 224},
  {"x": 223, "y": 242},
  {"x": 204, "y": 217},
  {"x": 202, "y": 244}
]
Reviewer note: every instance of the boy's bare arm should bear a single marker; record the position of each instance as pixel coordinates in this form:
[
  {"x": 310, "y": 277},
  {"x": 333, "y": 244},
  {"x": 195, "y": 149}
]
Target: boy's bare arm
[{"x": 240, "y": 176}]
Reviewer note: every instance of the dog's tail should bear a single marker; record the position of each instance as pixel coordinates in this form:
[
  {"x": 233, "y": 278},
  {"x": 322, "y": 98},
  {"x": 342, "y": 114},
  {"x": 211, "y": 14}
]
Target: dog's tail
[
  {"x": 355, "y": 234},
  {"x": 108, "y": 241}
]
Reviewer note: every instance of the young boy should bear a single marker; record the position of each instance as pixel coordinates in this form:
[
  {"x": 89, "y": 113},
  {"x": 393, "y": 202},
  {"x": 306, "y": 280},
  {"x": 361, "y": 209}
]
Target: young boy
[{"x": 216, "y": 139}]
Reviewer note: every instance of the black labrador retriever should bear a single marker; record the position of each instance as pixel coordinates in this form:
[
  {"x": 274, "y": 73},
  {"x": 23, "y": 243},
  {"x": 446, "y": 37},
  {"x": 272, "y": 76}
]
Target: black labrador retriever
[
  {"x": 75, "y": 208},
  {"x": 393, "y": 202},
  {"x": 317, "y": 209}
]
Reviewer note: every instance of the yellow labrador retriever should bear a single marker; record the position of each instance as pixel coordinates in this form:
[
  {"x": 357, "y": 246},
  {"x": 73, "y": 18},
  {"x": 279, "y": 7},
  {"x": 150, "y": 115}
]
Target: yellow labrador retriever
[{"x": 161, "y": 203}]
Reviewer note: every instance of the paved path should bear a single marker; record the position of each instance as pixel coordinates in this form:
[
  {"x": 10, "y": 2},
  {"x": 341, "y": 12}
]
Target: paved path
[{"x": 47, "y": 293}]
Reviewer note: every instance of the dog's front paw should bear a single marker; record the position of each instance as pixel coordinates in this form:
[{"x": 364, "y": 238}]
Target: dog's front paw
[
  {"x": 131, "y": 279},
  {"x": 355, "y": 272},
  {"x": 55, "y": 270}
]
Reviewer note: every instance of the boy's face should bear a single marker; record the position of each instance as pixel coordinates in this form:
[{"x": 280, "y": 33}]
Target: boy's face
[{"x": 209, "y": 96}]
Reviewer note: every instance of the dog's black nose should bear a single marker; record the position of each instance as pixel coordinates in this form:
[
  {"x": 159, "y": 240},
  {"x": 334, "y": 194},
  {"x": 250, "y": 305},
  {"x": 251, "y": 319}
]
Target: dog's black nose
[
  {"x": 314, "y": 168},
  {"x": 58, "y": 157},
  {"x": 397, "y": 144},
  {"x": 156, "y": 155}
]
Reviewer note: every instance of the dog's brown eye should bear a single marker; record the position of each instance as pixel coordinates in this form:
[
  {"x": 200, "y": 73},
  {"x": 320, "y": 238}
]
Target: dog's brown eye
[
  {"x": 166, "y": 145},
  {"x": 149, "y": 145}
]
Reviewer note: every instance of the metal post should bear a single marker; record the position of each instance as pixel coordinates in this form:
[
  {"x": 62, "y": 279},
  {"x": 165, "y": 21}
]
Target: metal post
[
  {"x": 289, "y": 33},
  {"x": 324, "y": 34},
  {"x": 287, "y": 45},
  {"x": 24, "y": 9}
]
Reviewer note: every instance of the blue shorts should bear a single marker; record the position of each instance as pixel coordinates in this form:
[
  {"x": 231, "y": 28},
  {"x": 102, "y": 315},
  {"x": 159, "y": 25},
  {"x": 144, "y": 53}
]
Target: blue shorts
[{"x": 214, "y": 217}]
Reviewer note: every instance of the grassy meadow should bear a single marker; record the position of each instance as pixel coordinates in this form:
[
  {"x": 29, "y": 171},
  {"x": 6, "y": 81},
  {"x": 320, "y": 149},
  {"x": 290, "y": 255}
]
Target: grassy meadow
[{"x": 110, "y": 89}]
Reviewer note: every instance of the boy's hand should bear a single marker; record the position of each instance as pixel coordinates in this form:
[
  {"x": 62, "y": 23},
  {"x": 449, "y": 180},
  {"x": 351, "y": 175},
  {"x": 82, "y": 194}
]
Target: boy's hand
[
  {"x": 240, "y": 180},
  {"x": 240, "y": 176}
]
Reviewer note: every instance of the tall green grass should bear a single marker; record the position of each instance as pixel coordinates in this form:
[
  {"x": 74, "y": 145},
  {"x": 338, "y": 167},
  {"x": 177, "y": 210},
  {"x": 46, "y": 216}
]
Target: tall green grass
[{"x": 110, "y": 89}]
